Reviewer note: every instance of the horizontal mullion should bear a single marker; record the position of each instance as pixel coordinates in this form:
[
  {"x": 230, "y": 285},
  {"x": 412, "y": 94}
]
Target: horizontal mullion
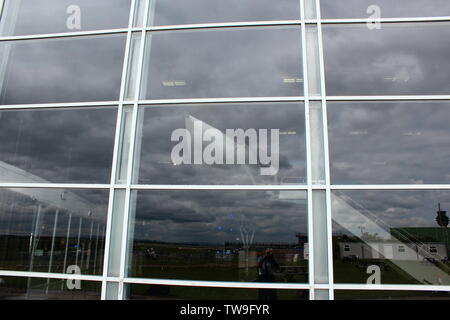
[
  {"x": 385, "y": 20},
  {"x": 217, "y": 284},
  {"x": 321, "y": 286},
  {"x": 220, "y": 100},
  {"x": 392, "y": 287},
  {"x": 61, "y": 105},
  {"x": 153, "y": 28},
  {"x": 62, "y": 276},
  {"x": 224, "y": 25},
  {"x": 219, "y": 187},
  {"x": 32, "y": 185},
  {"x": 64, "y": 34},
  {"x": 388, "y": 98},
  {"x": 392, "y": 187}
]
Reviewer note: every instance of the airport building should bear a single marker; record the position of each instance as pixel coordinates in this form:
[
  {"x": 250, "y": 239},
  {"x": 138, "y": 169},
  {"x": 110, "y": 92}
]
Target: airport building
[{"x": 224, "y": 149}]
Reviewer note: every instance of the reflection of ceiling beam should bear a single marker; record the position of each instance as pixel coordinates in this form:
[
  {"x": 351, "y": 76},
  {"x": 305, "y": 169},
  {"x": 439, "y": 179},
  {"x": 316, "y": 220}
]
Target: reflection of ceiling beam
[
  {"x": 190, "y": 122},
  {"x": 58, "y": 198},
  {"x": 351, "y": 219},
  {"x": 190, "y": 125}
]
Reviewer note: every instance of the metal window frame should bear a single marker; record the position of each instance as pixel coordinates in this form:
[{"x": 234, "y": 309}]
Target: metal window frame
[{"x": 138, "y": 103}]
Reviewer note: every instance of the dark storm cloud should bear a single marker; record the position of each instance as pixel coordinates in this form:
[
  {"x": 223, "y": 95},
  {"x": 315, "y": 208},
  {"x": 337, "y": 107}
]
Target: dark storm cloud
[
  {"x": 397, "y": 59},
  {"x": 50, "y": 16},
  {"x": 332, "y": 9},
  {"x": 60, "y": 145},
  {"x": 218, "y": 216},
  {"x": 63, "y": 70},
  {"x": 225, "y": 63},
  {"x": 159, "y": 122},
  {"x": 391, "y": 142},
  {"x": 206, "y": 11}
]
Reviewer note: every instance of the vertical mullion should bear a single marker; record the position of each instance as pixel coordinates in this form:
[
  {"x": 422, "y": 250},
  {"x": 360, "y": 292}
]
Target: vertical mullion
[
  {"x": 131, "y": 160},
  {"x": 308, "y": 152},
  {"x": 115, "y": 159},
  {"x": 326, "y": 151}
]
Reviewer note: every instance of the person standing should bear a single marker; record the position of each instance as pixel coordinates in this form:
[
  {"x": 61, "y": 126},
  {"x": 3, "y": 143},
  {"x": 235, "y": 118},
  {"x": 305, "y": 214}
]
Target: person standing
[{"x": 267, "y": 266}]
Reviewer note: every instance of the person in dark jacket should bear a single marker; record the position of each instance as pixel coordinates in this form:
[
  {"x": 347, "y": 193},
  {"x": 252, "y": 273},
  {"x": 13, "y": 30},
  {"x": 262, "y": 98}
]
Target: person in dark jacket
[{"x": 267, "y": 266}]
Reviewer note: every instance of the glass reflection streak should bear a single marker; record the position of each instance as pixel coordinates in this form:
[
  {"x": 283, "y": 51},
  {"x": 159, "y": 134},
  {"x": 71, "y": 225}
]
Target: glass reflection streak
[{"x": 394, "y": 231}]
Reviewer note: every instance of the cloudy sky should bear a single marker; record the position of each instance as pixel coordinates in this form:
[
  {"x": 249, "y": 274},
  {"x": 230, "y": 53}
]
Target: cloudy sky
[
  {"x": 332, "y": 9},
  {"x": 217, "y": 216},
  {"x": 389, "y": 142},
  {"x": 200, "y": 11},
  {"x": 159, "y": 122},
  {"x": 76, "y": 69},
  {"x": 72, "y": 145},
  {"x": 50, "y": 16},
  {"x": 398, "y": 59},
  {"x": 250, "y": 62}
]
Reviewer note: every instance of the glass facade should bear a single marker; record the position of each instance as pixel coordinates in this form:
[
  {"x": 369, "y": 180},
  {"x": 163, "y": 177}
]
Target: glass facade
[{"x": 209, "y": 149}]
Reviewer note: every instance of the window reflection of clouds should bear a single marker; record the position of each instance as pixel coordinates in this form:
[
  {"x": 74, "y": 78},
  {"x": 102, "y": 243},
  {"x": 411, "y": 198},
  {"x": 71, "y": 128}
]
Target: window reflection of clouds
[
  {"x": 218, "y": 235},
  {"x": 250, "y": 62},
  {"x": 389, "y": 142},
  {"x": 332, "y": 9},
  {"x": 185, "y": 216},
  {"x": 57, "y": 145},
  {"x": 168, "y": 12},
  {"x": 77, "y": 69},
  {"x": 50, "y": 16},
  {"x": 159, "y": 123},
  {"x": 395, "y": 60}
]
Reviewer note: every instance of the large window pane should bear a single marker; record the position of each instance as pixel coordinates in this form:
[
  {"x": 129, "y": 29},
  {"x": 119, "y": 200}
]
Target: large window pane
[
  {"x": 332, "y": 9},
  {"x": 52, "y": 230},
  {"x": 224, "y": 63},
  {"x": 220, "y": 236},
  {"x": 409, "y": 59},
  {"x": 273, "y": 130},
  {"x": 389, "y": 142},
  {"x": 391, "y": 237},
  {"x": 62, "y": 70},
  {"x": 72, "y": 145},
  {"x": 167, "y": 12},
  {"x": 15, "y": 288},
  {"x": 22, "y": 17},
  {"x": 160, "y": 292}
]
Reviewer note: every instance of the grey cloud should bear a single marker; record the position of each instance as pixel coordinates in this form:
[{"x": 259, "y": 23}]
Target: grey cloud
[
  {"x": 50, "y": 16},
  {"x": 398, "y": 59},
  {"x": 180, "y": 216},
  {"x": 68, "y": 145},
  {"x": 392, "y": 142},
  {"x": 332, "y": 9},
  {"x": 63, "y": 70},
  {"x": 159, "y": 123}
]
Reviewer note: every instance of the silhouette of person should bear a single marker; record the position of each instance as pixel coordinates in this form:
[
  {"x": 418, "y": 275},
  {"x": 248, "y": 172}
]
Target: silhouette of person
[{"x": 267, "y": 266}]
